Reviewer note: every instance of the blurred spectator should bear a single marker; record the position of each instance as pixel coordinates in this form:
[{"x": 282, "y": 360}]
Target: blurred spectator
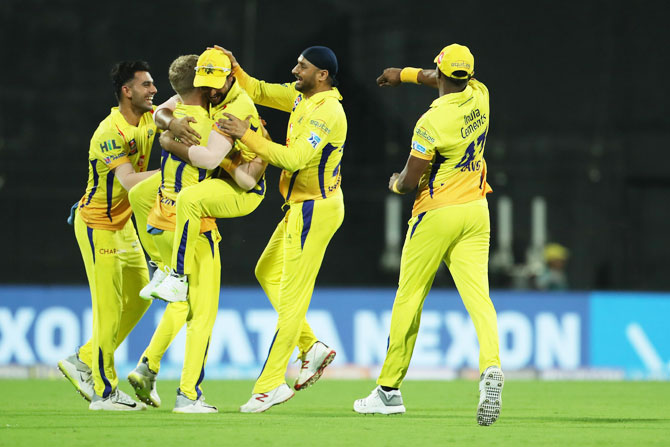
[{"x": 553, "y": 277}]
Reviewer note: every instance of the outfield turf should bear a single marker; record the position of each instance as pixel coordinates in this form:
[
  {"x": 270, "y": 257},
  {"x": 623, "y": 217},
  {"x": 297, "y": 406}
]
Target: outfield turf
[{"x": 48, "y": 413}]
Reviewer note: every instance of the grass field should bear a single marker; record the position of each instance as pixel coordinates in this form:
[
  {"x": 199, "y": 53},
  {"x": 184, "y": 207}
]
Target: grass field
[{"x": 49, "y": 413}]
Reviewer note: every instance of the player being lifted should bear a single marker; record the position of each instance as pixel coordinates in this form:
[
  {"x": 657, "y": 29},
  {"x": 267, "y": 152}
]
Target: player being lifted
[
  {"x": 195, "y": 79},
  {"x": 115, "y": 265},
  {"x": 450, "y": 224},
  {"x": 310, "y": 184}
]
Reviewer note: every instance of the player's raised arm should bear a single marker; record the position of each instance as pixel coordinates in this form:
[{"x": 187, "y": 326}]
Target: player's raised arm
[{"x": 392, "y": 77}]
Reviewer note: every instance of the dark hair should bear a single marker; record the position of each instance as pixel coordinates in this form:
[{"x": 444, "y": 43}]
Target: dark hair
[
  {"x": 123, "y": 72},
  {"x": 459, "y": 82}
]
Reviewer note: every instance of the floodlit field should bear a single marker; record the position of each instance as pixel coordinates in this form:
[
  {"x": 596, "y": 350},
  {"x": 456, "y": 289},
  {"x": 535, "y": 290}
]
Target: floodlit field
[{"x": 49, "y": 413}]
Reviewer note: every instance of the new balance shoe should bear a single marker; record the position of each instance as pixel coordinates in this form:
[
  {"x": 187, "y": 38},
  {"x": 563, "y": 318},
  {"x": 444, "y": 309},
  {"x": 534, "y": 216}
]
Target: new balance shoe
[
  {"x": 380, "y": 402},
  {"x": 143, "y": 381},
  {"x": 490, "y": 395},
  {"x": 314, "y": 362},
  {"x": 185, "y": 405},
  {"x": 260, "y": 402},
  {"x": 79, "y": 375},
  {"x": 158, "y": 277},
  {"x": 173, "y": 288},
  {"x": 116, "y": 401}
]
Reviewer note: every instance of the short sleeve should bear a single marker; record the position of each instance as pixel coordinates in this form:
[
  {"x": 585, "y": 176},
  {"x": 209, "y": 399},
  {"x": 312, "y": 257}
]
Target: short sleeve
[
  {"x": 423, "y": 138},
  {"x": 109, "y": 147}
]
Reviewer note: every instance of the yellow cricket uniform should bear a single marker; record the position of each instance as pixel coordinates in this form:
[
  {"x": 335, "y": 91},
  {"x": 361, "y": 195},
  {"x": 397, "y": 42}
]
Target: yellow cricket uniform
[
  {"x": 142, "y": 198},
  {"x": 199, "y": 312},
  {"x": 310, "y": 183},
  {"x": 113, "y": 258},
  {"x": 217, "y": 197},
  {"x": 450, "y": 224}
]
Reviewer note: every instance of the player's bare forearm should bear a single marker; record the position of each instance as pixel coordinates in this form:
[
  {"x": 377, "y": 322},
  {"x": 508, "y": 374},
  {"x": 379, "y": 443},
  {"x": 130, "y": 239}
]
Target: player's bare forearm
[
  {"x": 428, "y": 77},
  {"x": 392, "y": 77},
  {"x": 173, "y": 146},
  {"x": 408, "y": 179}
]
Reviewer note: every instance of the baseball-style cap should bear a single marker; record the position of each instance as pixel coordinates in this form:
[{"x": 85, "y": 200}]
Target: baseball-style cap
[
  {"x": 212, "y": 69},
  {"x": 455, "y": 58}
]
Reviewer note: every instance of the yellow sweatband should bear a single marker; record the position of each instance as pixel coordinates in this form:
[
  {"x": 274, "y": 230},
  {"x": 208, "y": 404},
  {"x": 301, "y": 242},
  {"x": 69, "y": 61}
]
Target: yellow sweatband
[
  {"x": 394, "y": 187},
  {"x": 410, "y": 74}
]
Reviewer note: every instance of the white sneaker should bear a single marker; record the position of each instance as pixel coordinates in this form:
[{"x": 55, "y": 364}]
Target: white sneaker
[
  {"x": 185, "y": 405},
  {"x": 173, "y": 288},
  {"x": 490, "y": 395},
  {"x": 158, "y": 276},
  {"x": 380, "y": 401},
  {"x": 116, "y": 401},
  {"x": 260, "y": 402},
  {"x": 143, "y": 381},
  {"x": 79, "y": 374},
  {"x": 314, "y": 362}
]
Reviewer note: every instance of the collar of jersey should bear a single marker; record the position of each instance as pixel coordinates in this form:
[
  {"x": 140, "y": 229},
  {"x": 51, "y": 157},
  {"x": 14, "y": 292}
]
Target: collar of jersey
[
  {"x": 453, "y": 97},
  {"x": 119, "y": 120},
  {"x": 332, "y": 93}
]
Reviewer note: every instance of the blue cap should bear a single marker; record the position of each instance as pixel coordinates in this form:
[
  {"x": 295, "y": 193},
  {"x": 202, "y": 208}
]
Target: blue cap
[{"x": 323, "y": 58}]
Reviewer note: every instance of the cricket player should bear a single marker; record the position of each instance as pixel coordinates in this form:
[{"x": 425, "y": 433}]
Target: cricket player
[
  {"x": 450, "y": 224},
  {"x": 193, "y": 79},
  {"x": 310, "y": 183},
  {"x": 115, "y": 265}
]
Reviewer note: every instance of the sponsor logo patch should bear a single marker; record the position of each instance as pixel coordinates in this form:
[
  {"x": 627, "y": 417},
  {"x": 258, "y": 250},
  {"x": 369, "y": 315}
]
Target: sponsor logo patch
[
  {"x": 296, "y": 102},
  {"x": 314, "y": 140},
  {"x": 417, "y": 147}
]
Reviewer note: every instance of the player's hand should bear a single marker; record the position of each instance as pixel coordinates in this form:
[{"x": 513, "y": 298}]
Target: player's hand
[
  {"x": 233, "y": 61},
  {"x": 392, "y": 180},
  {"x": 181, "y": 129},
  {"x": 234, "y": 126},
  {"x": 390, "y": 77}
]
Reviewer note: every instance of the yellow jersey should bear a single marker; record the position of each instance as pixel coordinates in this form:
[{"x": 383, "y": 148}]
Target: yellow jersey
[
  {"x": 105, "y": 204},
  {"x": 176, "y": 174},
  {"x": 452, "y": 134},
  {"x": 317, "y": 129},
  {"x": 238, "y": 103}
]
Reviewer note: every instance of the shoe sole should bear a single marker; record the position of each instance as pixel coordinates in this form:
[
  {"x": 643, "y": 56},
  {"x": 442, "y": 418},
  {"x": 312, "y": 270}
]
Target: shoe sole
[
  {"x": 177, "y": 411},
  {"x": 264, "y": 409},
  {"x": 74, "y": 382},
  {"x": 385, "y": 413},
  {"x": 319, "y": 372},
  {"x": 115, "y": 408},
  {"x": 137, "y": 385},
  {"x": 489, "y": 410},
  {"x": 156, "y": 297}
]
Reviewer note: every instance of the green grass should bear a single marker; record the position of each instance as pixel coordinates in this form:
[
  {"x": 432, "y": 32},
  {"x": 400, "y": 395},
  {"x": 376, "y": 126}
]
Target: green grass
[{"x": 48, "y": 413}]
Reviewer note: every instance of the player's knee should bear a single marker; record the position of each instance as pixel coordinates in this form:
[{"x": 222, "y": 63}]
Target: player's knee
[{"x": 187, "y": 199}]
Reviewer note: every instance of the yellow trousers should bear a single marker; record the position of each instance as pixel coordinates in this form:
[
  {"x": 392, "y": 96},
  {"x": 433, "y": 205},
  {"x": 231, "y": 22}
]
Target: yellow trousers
[
  {"x": 287, "y": 271},
  {"x": 116, "y": 272},
  {"x": 198, "y": 312},
  {"x": 142, "y": 199},
  {"x": 209, "y": 198},
  {"x": 457, "y": 235}
]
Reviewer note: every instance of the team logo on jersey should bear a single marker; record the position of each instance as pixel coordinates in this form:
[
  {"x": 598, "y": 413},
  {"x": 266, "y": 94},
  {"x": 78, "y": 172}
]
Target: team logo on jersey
[
  {"x": 314, "y": 140},
  {"x": 150, "y": 133},
  {"x": 417, "y": 147},
  {"x": 296, "y": 102},
  {"x": 133, "y": 147}
]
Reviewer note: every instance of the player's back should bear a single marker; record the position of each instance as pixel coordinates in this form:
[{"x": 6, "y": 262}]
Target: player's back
[{"x": 452, "y": 134}]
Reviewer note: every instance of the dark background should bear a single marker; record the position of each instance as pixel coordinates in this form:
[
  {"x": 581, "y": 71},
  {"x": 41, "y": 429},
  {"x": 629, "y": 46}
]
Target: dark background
[{"x": 578, "y": 98}]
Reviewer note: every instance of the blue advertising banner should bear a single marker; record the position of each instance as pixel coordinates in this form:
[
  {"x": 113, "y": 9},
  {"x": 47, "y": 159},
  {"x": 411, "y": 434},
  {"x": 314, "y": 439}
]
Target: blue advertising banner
[{"x": 540, "y": 332}]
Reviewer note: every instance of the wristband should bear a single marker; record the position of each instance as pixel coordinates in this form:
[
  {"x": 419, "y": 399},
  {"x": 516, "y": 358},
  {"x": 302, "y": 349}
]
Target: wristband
[
  {"x": 394, "y": 187},
  {"x": 410, "y": 75}
]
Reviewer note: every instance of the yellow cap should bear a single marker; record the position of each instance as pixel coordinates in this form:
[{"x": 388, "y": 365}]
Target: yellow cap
[
  {"x": 454, "y": 58},
  {"x": 556, "y": 252},
  {"x": 212, "y": 69}
]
